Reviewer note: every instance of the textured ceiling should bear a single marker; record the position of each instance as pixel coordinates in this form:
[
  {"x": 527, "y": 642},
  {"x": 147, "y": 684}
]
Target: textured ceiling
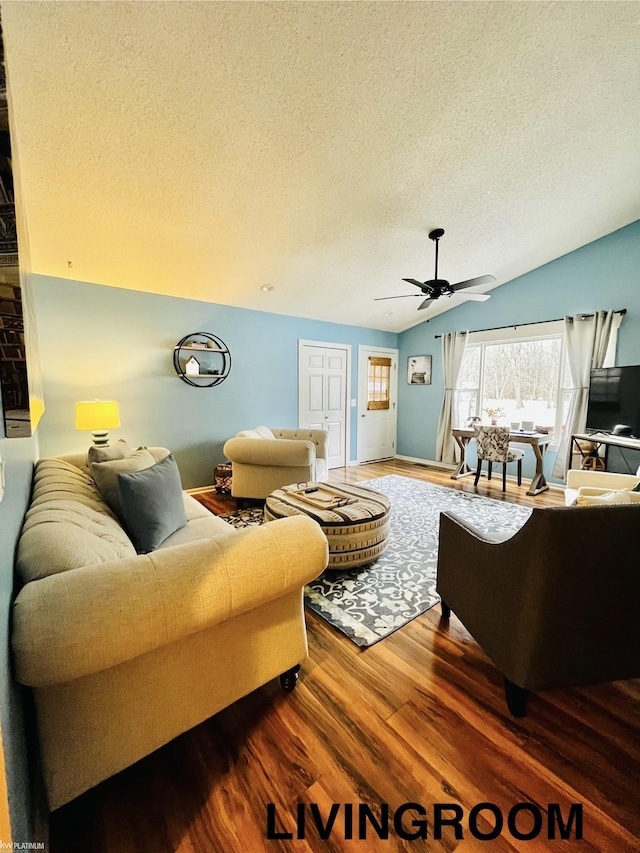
[{"x": 205, "y": 149}]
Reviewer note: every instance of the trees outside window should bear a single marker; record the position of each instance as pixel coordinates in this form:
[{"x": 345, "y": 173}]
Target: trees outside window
[{"x": 523, "y": 380}]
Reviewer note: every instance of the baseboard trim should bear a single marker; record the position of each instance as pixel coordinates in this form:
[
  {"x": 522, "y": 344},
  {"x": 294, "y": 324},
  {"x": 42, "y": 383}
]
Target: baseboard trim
[
  {"x": 558, "y": 487},
  {"x": 448, "y": 467},
  {"x": 431, "y": 463}
]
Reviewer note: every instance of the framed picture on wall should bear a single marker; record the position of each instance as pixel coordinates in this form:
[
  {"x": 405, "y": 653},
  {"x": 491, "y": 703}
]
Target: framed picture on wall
[{"x": 419, "y": 370}]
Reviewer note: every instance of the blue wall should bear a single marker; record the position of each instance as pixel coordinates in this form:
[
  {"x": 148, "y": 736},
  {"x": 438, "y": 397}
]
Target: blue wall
[
  {"x": 601, "y": 275},
  {"x": 118, "y": 344}
]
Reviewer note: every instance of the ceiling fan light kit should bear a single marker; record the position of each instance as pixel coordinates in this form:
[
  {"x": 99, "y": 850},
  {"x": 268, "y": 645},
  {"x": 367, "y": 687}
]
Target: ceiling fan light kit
[{"x": 436, "y": 287}]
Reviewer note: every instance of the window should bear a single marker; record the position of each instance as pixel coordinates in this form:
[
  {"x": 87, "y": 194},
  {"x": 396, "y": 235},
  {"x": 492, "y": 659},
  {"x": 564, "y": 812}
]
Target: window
[
  {"x": 522, "y": 377},
  {"x": 519, "y": 379},
  {"x": 379, "y": 378}
]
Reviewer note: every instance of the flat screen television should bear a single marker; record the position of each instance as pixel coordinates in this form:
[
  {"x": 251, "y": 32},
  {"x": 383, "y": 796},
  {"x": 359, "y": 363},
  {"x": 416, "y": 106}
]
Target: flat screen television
[{"x": 614, "y": 400}]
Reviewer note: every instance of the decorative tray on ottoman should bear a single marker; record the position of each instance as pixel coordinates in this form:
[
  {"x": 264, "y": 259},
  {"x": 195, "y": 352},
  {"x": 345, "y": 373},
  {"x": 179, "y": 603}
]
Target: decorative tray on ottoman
[{"x": 321, "y": 496}]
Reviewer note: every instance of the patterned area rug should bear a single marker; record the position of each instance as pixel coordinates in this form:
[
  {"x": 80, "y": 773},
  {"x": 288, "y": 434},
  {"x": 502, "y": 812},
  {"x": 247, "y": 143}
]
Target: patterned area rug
[{"x": 369, "y": 603}]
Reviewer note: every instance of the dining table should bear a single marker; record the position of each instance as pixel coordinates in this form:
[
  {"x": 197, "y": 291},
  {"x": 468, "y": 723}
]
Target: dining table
[{"x": 538, "y": 442}]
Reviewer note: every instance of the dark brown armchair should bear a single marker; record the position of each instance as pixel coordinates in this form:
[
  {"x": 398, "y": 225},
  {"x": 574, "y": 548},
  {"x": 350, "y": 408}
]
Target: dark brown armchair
[{"x": 556, "y": 604}]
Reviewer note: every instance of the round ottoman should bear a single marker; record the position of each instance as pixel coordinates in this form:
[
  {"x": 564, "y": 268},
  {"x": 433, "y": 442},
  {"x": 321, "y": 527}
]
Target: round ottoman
[{"x": 357, "y": 531}]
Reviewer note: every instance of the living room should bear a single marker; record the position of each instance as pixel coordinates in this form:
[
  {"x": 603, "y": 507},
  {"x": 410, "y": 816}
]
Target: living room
[{"x": 111, "y": 304}]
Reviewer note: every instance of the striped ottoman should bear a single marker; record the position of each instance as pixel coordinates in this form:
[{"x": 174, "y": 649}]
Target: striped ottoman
[{"x": 357, "y": 531}]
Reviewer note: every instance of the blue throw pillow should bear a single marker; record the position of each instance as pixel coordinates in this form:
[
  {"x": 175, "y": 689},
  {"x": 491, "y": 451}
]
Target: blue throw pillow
[{"x": 152, "y": 504}]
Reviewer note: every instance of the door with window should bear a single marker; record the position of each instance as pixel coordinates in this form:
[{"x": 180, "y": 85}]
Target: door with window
[
  {"x": 377, "y": 403},
  {"x": 323, "y": 393}
]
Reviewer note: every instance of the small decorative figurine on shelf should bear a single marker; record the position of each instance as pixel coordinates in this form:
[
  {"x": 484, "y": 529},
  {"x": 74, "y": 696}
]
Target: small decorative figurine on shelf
[{"x": 192, "y": 367}]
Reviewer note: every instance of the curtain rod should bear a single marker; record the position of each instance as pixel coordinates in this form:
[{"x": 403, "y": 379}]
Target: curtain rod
[{"x": 535, "y": 323}]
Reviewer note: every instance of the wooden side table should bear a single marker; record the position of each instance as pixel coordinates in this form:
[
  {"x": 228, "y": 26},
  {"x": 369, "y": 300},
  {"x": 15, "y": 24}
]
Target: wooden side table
[{"x": 223, "y": 478}]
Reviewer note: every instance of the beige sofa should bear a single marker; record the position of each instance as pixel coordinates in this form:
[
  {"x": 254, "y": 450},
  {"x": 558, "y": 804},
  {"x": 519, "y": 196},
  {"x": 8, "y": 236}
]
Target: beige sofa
[
  {"x": 125, "y": 651},
  {"x": 266, "y": 459}
]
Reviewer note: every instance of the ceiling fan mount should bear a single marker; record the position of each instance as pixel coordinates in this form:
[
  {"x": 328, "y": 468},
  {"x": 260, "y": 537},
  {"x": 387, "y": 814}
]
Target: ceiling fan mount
[{"x": 435, "y": 287}]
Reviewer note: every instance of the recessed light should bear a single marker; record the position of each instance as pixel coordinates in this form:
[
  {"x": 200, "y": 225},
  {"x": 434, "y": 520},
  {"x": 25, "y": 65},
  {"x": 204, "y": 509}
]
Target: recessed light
[
  {"x": 388, "y": 314},
  {"x": 268, "y": 288}
]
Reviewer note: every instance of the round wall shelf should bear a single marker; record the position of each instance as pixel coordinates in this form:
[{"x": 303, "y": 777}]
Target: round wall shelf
[{"x": 202, "y": 360}]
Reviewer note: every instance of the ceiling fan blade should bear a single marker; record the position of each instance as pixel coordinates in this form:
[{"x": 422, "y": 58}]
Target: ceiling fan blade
[
  {"x": 476, "y": 297},
  {"x": 426, "y": 303},
  {"x": 399, "y": 296},
  {"x": 472, "y": 282},
  {"x": 414, "y": 281}
]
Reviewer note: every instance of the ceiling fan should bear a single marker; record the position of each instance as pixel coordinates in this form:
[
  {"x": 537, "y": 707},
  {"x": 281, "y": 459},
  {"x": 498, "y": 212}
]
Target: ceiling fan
[{"x": 437, "y": 287}]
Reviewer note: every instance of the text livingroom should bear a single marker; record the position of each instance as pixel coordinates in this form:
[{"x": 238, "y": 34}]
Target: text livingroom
[{"x": 484, "y": 821}]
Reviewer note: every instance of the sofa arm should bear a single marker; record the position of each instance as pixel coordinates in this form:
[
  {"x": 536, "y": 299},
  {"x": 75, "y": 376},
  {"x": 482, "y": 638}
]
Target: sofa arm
[
  {"x": 600, "y": 479},
  {"x": 473, "y": 566},
  {"x": 86, "y": 620},
  {"x": 286, "y": 453}
]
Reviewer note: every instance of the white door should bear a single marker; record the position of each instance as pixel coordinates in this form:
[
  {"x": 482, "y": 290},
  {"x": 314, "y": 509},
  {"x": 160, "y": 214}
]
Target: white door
[
  {"x": 377, "y": 403},
  {"x": 323, "y": 393}
]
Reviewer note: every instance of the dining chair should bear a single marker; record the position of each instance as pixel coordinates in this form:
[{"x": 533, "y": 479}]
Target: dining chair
[{"x": 493, "y": 445}]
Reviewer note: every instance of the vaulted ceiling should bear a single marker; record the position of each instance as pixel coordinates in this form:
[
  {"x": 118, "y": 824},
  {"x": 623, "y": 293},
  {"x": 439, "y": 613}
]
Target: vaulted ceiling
[{"x": 204, "y": 149}]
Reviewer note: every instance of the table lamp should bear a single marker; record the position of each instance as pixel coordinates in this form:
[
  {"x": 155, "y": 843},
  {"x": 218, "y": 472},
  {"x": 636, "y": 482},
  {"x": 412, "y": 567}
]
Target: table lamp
[{"x": 99, "y": 416}]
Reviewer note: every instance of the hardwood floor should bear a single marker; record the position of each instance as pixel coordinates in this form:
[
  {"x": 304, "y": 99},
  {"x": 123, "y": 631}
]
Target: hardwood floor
[{"x": 419, "y": 717}]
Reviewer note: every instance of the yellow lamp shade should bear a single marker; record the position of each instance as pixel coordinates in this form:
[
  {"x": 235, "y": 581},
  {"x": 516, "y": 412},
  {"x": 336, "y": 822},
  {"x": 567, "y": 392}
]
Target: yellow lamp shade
[{"x": 97, "y": 415}]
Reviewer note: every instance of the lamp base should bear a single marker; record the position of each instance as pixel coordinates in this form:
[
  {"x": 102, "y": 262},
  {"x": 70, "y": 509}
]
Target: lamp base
[{"x": 100, "y": 438}]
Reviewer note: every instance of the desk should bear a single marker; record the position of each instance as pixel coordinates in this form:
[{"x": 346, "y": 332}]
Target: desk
[
  {"x": 602, "y": 438},
  {"x": 538, "y": 442}
]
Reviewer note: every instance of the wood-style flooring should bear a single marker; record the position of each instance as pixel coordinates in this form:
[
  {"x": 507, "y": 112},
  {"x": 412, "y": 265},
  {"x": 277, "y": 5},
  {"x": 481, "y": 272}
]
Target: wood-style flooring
[{"x": 419, "y": 717}]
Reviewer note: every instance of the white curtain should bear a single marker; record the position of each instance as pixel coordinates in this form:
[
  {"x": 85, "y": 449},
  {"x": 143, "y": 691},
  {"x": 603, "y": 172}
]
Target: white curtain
[
  {"x": 587, "y": 340},
  {"x": 453, "y": 347}
]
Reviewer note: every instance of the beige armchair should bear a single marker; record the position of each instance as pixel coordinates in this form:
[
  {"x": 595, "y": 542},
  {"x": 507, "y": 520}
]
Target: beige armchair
[
  {"x": 265, "y": 459},
  {"x": 554, "y": 605},
  {"x": 594, "y": 482}
]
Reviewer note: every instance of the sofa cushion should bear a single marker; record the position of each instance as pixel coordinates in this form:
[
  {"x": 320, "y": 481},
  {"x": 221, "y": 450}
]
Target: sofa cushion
[
  {"x": 202, "y": 525},
  {"x": 258, "y": 432},
  {"x": 265, "y": 432},
  {"x": 105, "y": 475},
  {"x": 151, "y": 504},
  {"x": 618, "y": 496},
  {"x": 68, "y": 525},
  {"x": 118, "y": 450},
  {"x": 197, "y": 529}
]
